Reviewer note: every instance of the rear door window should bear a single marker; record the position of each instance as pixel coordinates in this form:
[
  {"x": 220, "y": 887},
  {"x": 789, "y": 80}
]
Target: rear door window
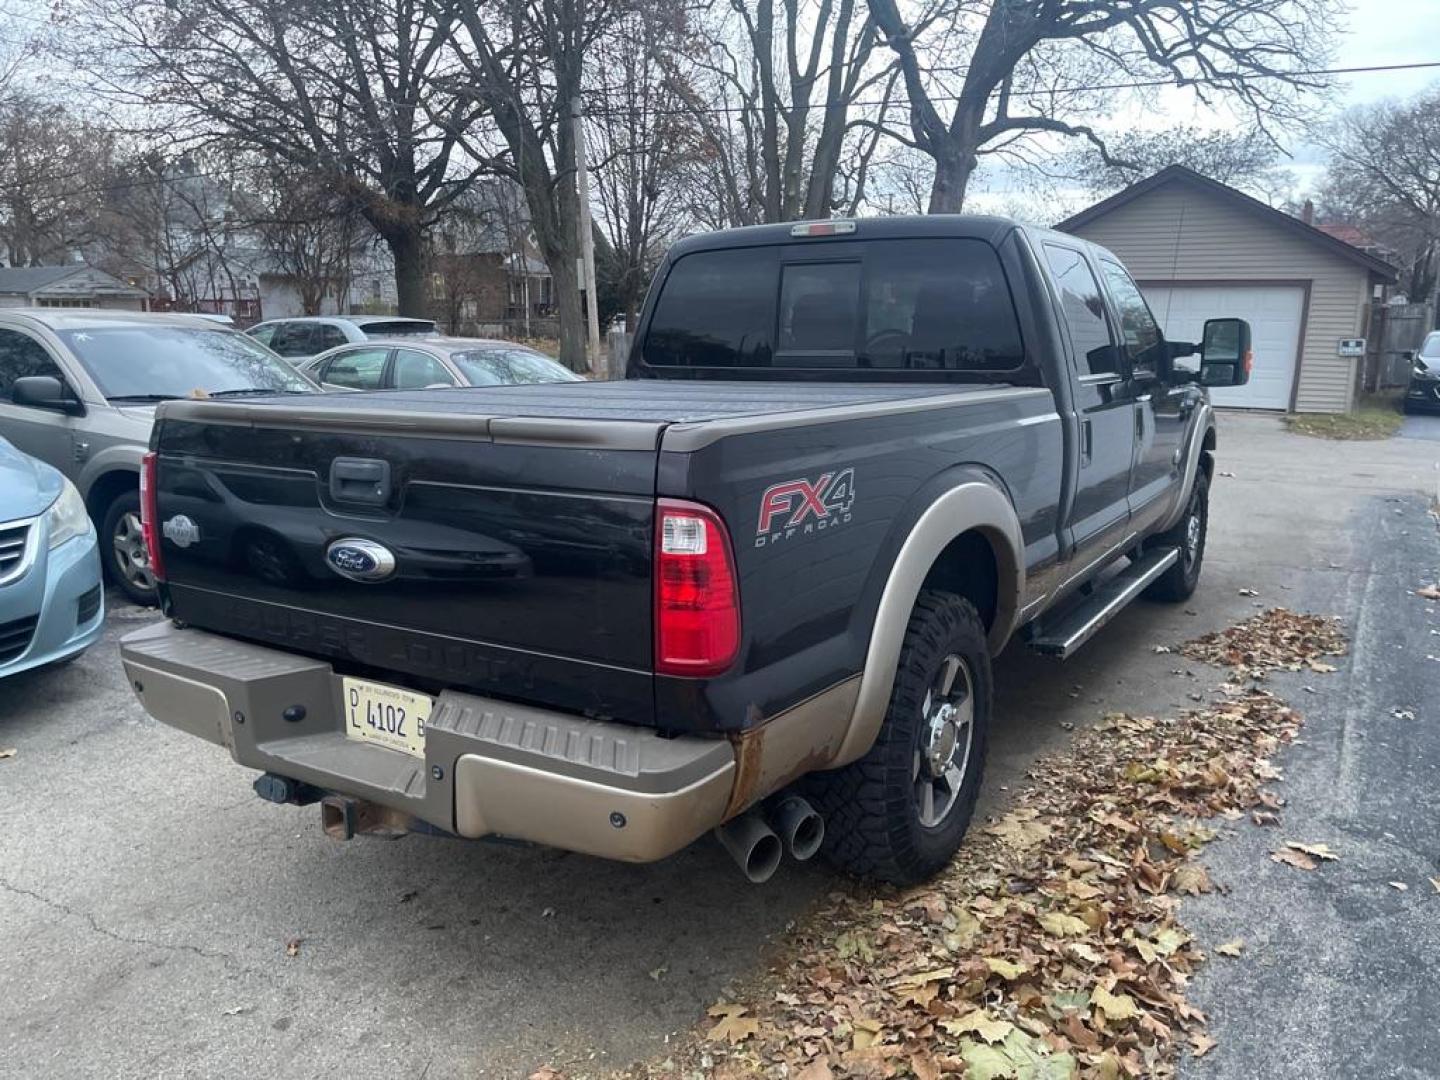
[
  {"x": 329, "y": 337},
  {"x": 415, "y": 370},
  {"x": 294, "y": 339},
  {"x": 356, "y": 369},
  {"x": 921, "y": 305},
  {"x": 1084, "y": 310}
]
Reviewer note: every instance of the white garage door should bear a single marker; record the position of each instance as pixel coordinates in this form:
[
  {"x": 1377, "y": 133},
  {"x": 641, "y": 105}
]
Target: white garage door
[{"x": 1274, "y": 313}]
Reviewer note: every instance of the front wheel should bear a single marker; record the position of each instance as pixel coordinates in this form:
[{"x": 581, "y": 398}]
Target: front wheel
[
  {"x": 122, "y": 550},
  {"x": 899, "y": 813},
  {"x": 1188, "y": 534}
]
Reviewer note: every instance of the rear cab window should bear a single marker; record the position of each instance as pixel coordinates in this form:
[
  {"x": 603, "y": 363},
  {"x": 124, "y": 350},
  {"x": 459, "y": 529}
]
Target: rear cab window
[{"x": 891, "y": 309}]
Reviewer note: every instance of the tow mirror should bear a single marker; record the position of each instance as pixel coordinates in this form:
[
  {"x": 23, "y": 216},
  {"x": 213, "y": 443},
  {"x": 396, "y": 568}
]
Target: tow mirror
[
  {"x": 45, "y": 392},
  {"x": 1225, "y": 355}
]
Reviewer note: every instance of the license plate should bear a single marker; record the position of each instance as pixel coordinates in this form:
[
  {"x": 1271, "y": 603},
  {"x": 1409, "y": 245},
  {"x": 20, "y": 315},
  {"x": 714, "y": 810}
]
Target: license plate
[{"x": 386, "y": 716}]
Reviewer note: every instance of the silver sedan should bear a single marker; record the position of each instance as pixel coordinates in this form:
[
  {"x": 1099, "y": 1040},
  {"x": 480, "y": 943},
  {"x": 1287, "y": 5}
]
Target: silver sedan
[{"x": 418, "y": 365}]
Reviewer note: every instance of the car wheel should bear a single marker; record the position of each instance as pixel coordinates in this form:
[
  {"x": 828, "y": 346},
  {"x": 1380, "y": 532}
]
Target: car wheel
[
  {"x": 1188, "y": 534},
  {"x": 899, "y": 813},
  {"x": 122, "y": 550}
]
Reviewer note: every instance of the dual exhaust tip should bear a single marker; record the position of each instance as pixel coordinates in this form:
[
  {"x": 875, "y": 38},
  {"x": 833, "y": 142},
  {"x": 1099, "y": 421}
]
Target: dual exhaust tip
[{"x": 757, "y": 839}]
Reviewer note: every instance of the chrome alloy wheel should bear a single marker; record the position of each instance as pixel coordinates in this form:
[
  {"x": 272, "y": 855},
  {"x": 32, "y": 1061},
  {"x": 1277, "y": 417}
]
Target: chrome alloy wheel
[{"x": 947, "y": 730}]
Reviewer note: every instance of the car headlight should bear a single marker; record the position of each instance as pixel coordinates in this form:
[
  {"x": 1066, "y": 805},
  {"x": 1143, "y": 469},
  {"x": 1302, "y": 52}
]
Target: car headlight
[{"x": 66, "y": 517}]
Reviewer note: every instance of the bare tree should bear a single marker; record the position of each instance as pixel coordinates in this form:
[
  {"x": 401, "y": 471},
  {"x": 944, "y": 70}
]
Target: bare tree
[
  {"x": 349, "y": 90},
  {"x": 307, "y": 232},
  {"x": 772, "y": 88},
  {"x": 52, "y": 162},
  {"x": 523, "y": 64},
  {"x": 640, "y": 141},
  {"x": 1007, "y": 70},
  {"x": 1384, "y": 176},
  {"x": 1244, "y": 159}
]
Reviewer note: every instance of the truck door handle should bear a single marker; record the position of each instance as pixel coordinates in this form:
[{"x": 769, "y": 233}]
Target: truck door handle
[
  {"x": 1087, "y": 442},
  {"x": 360, "y": 480}
]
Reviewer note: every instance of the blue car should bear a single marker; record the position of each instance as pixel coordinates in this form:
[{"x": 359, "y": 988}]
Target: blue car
[{"x": 52, "y": 607}]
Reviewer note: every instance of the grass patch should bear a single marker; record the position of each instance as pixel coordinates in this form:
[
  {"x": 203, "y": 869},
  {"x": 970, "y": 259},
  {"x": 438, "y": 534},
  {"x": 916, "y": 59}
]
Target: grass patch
[{"x": 1378, "y": 417}]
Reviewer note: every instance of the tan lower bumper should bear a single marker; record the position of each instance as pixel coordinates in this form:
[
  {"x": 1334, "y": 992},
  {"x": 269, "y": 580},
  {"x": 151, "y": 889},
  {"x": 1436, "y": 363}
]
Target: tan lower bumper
[{"x": 490, "y": 767}]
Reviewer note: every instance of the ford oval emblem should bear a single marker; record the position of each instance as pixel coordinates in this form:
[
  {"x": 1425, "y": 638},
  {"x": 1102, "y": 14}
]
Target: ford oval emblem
[{"x": 360, "y": 560}]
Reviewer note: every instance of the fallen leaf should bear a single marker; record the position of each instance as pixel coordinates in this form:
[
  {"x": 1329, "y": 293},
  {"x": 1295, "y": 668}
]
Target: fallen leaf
[
  {"x": 1231, "y": 948},
  {"x": 292, "y": 947},
  {"x": 1290, "y": 857},
  {"x": 7, "y": 753},
  {"x": 1398, "y": 885},
  {"x": 733, "y": 1026},
  {"x": 985, "y": 1062},
  {"x": 1020, "y": 833},
  {"x": 1063, "y": 925},
  {"x": 819, "y": 1069},
  {"x": 1429, "y": 592},
  {"x": 1201, "y": 1043},
  {"x": 866, "y": 1034},
  {"x": 546, "y": 1072},
  {"x": 1248, "y": 592},
  {"x": 1318, "y": 851},
  {"x": 1192, "y": 879},
  {"x": 1169, "y": 939},
  {"x": 238, "y": 1010},
  {"x": 1435, "y": 884},
  {"x": 1323, "y": 669},
  {"x": 1115, "y": 1006},
  {"x": 1006, "y": 969},
  {"x": 660, "y": 972},
  {"x": 923, "y": 1066},
  {"x": 979, "y": 1023}
]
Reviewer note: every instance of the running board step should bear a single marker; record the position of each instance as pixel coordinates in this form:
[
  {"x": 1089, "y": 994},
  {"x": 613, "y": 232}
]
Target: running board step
[{"x": 1079, "y": 625}]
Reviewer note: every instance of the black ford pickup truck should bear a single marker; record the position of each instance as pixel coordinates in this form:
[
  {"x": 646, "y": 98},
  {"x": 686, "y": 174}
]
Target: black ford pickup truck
[{"x": 754, "y": 587}]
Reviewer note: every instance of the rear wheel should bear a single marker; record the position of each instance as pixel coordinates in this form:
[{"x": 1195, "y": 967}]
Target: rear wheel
[
  {"x": 122, "y": 549},
  {"x": 1188, "y": 534},
  {"x": 899, "y": 813}
]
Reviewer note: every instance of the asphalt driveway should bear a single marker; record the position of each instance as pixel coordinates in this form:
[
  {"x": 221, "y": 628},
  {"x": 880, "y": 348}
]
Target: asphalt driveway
[{"x": 147, "y": 896}]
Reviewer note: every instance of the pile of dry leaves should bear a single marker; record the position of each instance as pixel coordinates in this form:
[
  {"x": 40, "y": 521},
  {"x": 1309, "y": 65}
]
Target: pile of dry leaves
[
  {"x": 1275, "y": 640},
  {"x": 1050, "y": 948}
]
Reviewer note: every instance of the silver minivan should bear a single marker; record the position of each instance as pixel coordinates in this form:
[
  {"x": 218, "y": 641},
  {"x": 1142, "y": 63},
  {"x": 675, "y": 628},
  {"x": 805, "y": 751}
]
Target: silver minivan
[{"x": 78, "y": 389}]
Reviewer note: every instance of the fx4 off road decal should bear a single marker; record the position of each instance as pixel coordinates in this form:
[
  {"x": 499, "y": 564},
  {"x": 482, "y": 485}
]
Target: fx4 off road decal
[{"x": 803, "y": 507}]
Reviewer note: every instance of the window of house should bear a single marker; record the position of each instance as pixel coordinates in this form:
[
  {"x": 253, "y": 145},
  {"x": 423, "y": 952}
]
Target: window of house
[
  {"x": 1084, "y": 310},
  {"x": 20, "y": 357},
  {"x": 1143, "y": 340}
]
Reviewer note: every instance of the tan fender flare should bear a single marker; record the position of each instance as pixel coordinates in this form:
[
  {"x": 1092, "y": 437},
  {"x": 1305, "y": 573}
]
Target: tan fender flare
[{"x": 970, "y": 507}]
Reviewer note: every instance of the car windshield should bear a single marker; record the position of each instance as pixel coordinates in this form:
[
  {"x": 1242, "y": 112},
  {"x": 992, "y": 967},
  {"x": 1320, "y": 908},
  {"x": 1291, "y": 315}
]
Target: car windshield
[
  {"x": 499, "y": 367},
  {"x": 149, "y": 362}
]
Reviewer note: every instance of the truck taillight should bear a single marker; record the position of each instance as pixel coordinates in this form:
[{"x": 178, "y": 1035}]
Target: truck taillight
[
  {"x": 697, "y": 600},
  {"x": 149, "y": 516}
]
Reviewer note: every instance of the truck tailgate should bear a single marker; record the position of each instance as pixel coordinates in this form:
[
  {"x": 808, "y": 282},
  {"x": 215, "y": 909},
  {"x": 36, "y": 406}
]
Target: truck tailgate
[{"x": 521, "y": 548}]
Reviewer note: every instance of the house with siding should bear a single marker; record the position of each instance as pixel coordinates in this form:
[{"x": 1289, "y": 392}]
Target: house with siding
[
  {"x": 76, "y": 285},
  {"x": 1201, "y": 250}
]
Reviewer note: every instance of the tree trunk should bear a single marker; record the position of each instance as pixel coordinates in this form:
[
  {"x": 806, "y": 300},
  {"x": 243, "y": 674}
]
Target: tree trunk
[
  {"x": 407, "y": 248},
  {"x": 572, "y": 314}
]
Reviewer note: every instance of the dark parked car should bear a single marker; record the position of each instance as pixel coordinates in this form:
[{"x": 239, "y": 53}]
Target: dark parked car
[
  {"x": 1423, "y": 394},
  {"x": 418, "y": 365},
  {"x": 78, "y": 390},
  {"x": 852, "y": 460},
  {"x": 303, "y": 337}
]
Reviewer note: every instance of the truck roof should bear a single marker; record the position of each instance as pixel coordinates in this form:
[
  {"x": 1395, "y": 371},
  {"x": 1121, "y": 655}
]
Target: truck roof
[{"x": 965, "y": 226}]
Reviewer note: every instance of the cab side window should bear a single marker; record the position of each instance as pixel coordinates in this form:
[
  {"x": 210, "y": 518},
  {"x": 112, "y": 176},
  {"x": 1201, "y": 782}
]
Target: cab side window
[
  {"x": 330, "y": 337},
  {"x": 294, "y": 339},
  {"x": 415, "y": 370},
  {"x": 1084, "y": 308},
  {"x": 22, "y": 356},
  {"x": 1143, "y": 340}
]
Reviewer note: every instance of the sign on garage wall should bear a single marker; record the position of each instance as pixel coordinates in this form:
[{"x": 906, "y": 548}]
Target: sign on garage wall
[{"x": 1352, "y": 346}]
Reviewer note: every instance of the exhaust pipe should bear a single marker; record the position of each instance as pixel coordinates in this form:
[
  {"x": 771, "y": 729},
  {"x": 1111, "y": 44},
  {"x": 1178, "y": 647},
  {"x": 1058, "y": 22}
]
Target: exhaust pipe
[
  {"x": 800, "y": 827},
  {"x": 752, "y": 844}
]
